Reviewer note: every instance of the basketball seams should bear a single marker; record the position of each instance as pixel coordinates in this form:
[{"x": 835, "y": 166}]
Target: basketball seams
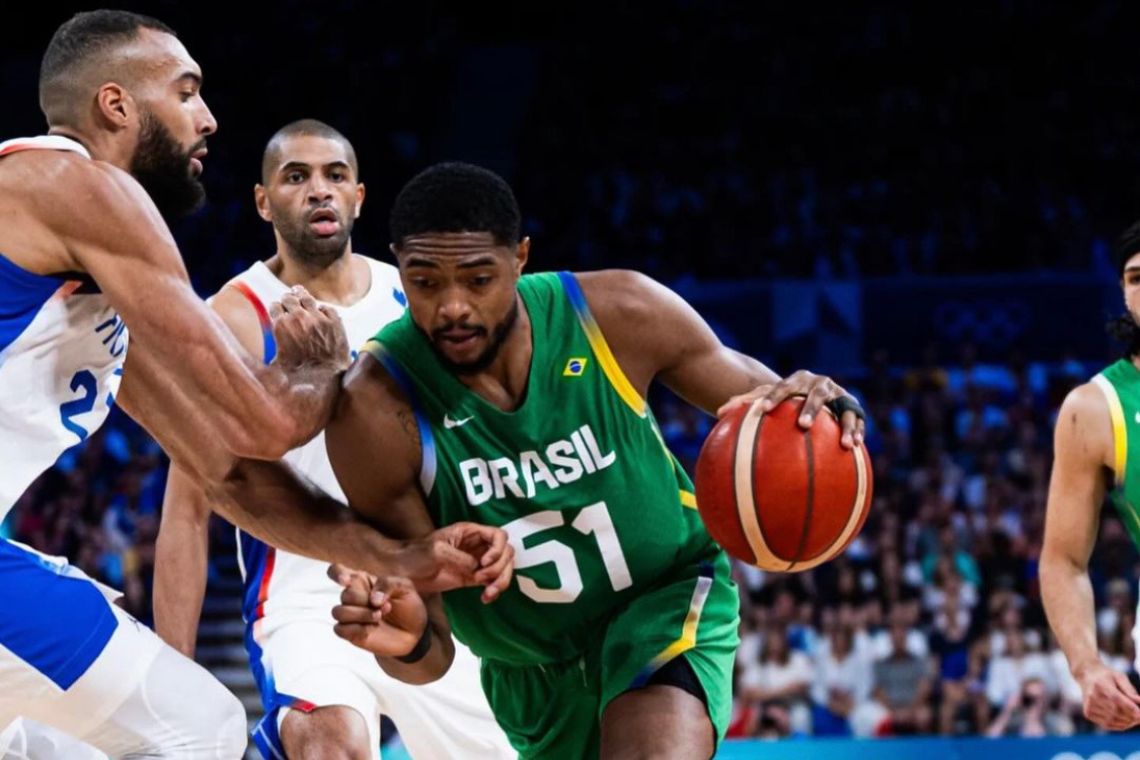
[
  {"x": 743, "y": 486},
  {"x": 809, "y": 456},
  {"x": 857, "y": 513},
  {"x": 737, "y": 507}
]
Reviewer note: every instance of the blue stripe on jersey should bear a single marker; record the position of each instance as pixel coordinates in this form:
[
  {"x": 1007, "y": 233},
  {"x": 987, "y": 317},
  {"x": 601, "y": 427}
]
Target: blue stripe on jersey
[
  {"x": 22, "y": 294},
  {"x": 253, "y": 555},
  {"x": 56, "y": 624},
  {"x": 427, "y": 440}
]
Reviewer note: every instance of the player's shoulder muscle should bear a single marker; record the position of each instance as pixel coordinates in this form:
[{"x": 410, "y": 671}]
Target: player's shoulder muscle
[
  {"x": 373, "y": 440},
  {"x": 649, "y": 327},
  {"x": 1084, "y": 431},
  {"x": 97, "y": 209}
]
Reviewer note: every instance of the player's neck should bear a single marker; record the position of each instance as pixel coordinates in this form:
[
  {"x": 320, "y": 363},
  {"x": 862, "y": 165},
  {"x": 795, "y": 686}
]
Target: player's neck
[
  {"x": 342, "y": 282},
  {"x": 101, "y": 148},
  {"x": 504, "y": 382}
]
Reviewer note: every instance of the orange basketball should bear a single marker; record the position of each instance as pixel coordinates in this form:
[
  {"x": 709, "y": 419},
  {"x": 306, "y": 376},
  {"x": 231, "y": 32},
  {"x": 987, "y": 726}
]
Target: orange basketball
[{"x": 778, "y": 496}]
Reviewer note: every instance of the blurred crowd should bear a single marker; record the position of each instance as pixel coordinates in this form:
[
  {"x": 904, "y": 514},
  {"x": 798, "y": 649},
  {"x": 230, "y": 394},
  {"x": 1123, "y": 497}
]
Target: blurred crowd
[
  {"x": 718, "y": 139},
  {"x": 931, "y": 622}
]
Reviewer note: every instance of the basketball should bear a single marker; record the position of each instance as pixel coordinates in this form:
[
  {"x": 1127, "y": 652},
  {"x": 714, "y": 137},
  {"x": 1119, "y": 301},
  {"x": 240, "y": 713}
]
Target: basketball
[{"x": 778, "y": 496}]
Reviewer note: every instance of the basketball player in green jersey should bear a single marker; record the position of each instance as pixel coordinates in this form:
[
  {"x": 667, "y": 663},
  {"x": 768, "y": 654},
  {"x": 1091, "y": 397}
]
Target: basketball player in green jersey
[
  {"x": 519, "y": 402},
  {"x": 1095, "y": 453}
]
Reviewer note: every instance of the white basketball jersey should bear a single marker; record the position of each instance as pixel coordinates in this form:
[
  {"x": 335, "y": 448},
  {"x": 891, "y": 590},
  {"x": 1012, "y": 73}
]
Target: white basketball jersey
[
  {"x": 62, "y": 348},
  {"x": 278, "y": 584}
]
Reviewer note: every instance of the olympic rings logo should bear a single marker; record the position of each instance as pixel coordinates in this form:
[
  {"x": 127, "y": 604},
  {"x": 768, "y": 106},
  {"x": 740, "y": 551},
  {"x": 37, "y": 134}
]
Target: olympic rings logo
[{"x": 983, "y": 323}]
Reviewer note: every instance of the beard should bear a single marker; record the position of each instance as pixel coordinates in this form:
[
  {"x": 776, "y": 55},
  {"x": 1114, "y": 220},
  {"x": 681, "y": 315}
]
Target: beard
[
  {"x": 498, "y": 336},
  {"x": 309, "y": 248},
  {"x": 162, "y": 167},
  {"x": 1125, "y": 330}
]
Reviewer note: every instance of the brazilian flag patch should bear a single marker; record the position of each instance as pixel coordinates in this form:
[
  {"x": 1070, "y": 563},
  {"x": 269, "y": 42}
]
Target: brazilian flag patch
[{"x": 574, "y": 367}]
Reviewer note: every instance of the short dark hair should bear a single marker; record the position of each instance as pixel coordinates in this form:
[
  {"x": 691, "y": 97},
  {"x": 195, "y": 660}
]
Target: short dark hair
[
  {"x": 1123, "y": 328},
  {"x": 307, "y": 128},
  {"x": 1126, "y": 246},
  {"x": 78, "y": 41},
  {"x": 456, "y": 197}
]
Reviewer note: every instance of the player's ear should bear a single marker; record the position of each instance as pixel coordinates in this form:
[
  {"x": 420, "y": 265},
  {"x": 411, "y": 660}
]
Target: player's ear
[
  {"x": 115, "y": 105},
  {"x": 522, "y": 254},
  {"x": 261, "y": 200},
  {"x": 359, "y": 199}
]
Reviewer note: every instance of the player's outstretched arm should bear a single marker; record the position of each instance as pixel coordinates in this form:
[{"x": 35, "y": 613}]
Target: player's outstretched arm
[
  {"x": 1082, "y": 458},
  {"x": 654, "y": 333},
  {"x": 276, "y": 504},
  {"x": 181, "y": 555},
  {"x": 187, "y": 364}
]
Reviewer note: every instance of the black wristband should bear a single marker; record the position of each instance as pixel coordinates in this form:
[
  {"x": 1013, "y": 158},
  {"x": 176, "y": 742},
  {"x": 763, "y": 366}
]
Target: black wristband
[
  {"x": 846, "y": 404},
  {"x": 420, "y": 650}
]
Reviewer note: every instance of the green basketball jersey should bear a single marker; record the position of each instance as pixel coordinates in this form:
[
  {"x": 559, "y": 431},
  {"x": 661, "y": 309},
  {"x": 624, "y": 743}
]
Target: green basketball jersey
[
  {"x": 1120, "y": 383},
  {"x": 597, "y": 509}
]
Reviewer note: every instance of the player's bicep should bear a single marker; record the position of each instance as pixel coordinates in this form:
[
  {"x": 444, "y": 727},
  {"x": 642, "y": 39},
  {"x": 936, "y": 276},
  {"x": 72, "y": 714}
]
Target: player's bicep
[
  {"x": 1080, "y": 477},
  {"x": 373, "y": 446},
  {"x": 654, "y": 333}
]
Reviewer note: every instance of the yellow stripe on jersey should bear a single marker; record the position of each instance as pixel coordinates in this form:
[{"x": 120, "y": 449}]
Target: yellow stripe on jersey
[
  {"x": 601, "y": 349},
  {"x": 688, "y": 638},
  {"x": 1119, "y": 431},
  {"x": 688, "y": 500}
]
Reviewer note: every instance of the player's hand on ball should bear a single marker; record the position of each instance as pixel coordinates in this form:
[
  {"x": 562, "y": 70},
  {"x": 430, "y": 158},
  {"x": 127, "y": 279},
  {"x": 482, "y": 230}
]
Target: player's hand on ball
[
  {"x": 382, "y": 615},
  {"x": 818, "y": 391},
  {"x": 462, "y": 554},
  {"x": 1110, "y": 701},
  {"x": 307, "y": 333}
]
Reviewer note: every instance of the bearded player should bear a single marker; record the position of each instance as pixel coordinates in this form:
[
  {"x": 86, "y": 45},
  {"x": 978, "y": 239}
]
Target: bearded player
[
  {"x": 1094, "y": 454},
  {"x": 86, "y": 265}
]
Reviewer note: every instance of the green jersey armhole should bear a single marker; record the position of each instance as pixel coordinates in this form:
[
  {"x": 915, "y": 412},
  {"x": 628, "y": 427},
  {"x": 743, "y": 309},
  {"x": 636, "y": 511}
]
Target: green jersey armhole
[
  {"x": 427, "y": 440},
  {"x": 1119, "y": 431}
]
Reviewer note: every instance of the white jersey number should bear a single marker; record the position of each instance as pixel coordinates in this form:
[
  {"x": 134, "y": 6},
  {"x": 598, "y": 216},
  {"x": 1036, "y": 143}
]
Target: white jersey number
[{"x": 594, "y": 519}]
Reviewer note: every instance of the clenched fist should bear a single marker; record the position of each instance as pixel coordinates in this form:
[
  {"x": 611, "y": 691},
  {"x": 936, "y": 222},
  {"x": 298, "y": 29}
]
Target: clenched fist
[{"x": 307, "y": 333}]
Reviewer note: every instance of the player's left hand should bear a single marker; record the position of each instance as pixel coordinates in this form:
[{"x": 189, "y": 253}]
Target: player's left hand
[
  {"x": 818, "y": 390},
  {"x": 384, "y": 616},
  {"x": 458, "y": 555}
]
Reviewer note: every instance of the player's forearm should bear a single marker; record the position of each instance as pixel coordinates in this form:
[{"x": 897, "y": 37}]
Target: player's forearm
[
  {"x": 181, "y": 556},
  {"x": 272, "y": 502},
  {"x": 310, "y": 396},
  {"x": 1067, "y": 595},
  {"x": 431, "y": 667}
]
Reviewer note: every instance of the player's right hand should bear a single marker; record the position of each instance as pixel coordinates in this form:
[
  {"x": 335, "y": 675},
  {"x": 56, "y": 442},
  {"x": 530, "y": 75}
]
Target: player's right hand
[
  {"x": 384, "y": 616},
  {"x": 307, "y": 333},
  {"x": 1110, "y": 701},
  {"x": 461, "y": 554}
]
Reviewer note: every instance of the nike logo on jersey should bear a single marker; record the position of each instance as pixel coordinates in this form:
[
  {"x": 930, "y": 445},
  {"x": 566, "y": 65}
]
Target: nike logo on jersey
[{"x": 450, "y": 423}]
